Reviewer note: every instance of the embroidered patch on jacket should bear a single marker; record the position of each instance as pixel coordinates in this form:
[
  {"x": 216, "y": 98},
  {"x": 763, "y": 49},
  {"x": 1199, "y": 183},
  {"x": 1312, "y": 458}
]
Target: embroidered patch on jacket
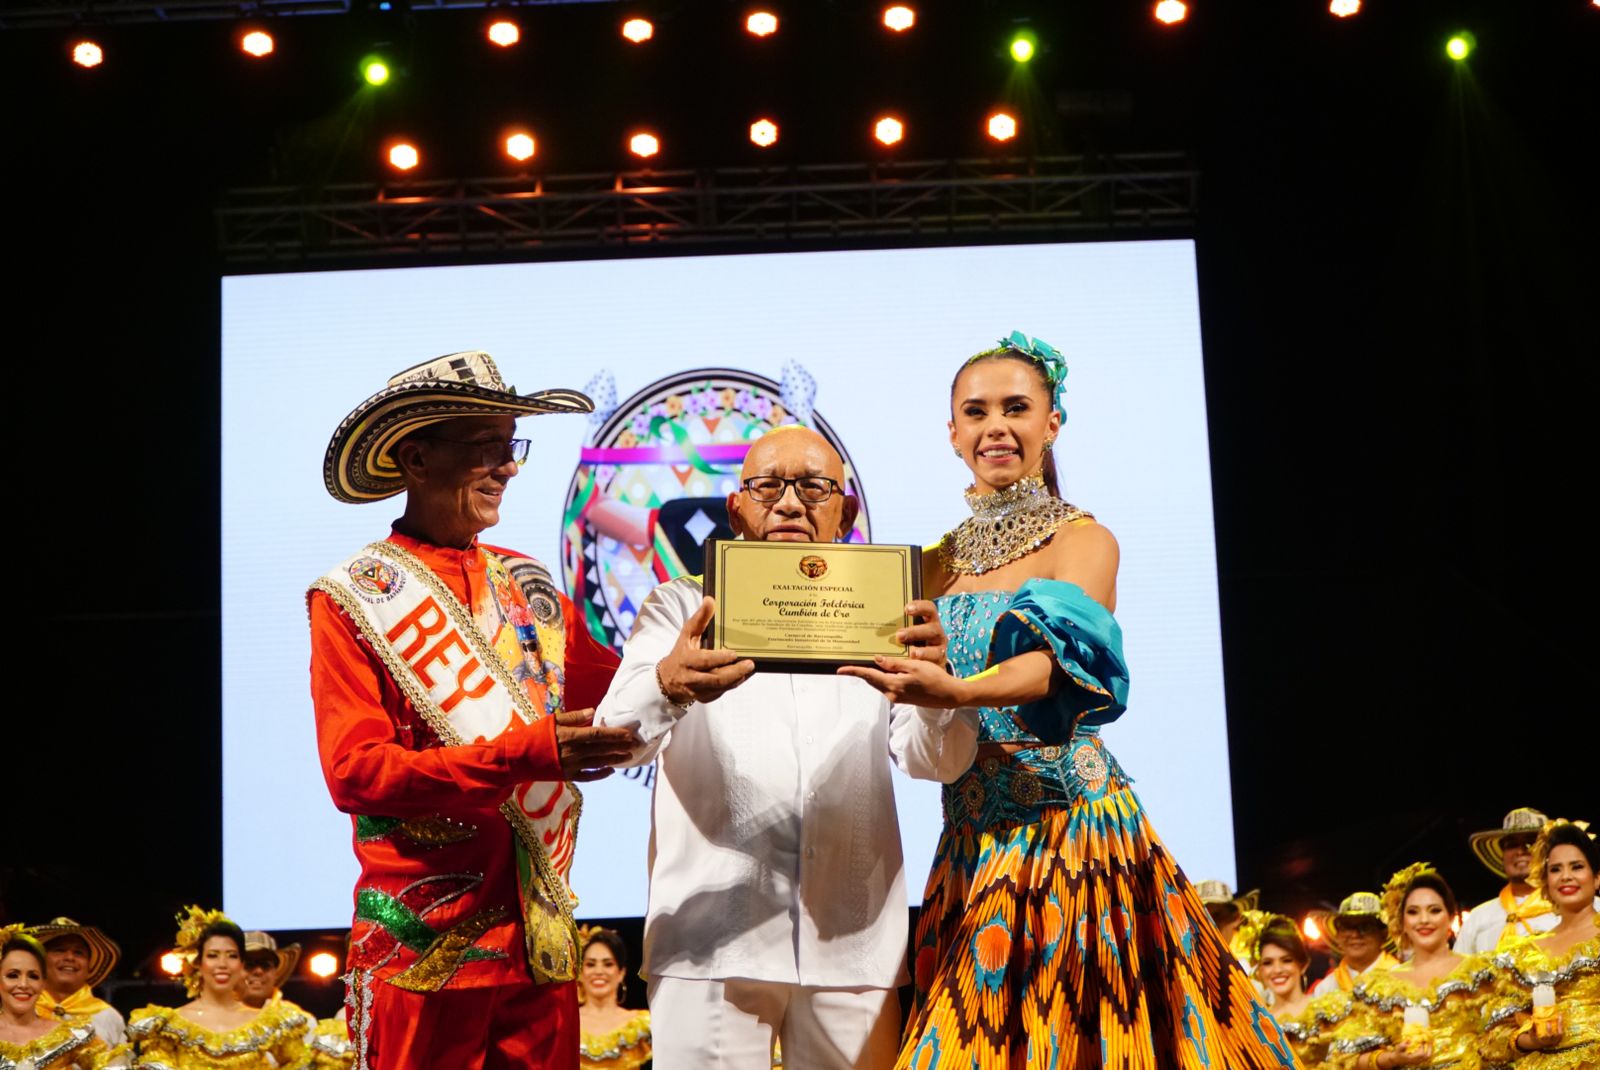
[{"x": 375, "y": 581}]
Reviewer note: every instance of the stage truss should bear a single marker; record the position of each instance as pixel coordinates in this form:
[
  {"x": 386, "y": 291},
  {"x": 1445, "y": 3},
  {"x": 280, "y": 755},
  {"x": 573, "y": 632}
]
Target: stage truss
[
  {"x": 45, "y": 14},
  {"x": 831, "y": 203}
]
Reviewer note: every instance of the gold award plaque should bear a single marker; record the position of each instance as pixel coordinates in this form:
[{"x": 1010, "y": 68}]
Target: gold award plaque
[{"x": 810, "y": 606}]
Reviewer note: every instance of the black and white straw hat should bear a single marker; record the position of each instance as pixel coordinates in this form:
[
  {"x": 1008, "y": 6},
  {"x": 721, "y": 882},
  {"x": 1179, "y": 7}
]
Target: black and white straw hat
[
  {"x": 1489, "y": 845},
  {"x": 359, "y": 466}
]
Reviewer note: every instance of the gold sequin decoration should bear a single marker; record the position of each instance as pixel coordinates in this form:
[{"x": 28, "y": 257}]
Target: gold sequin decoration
[
  {"x": 1026, "y": 788},
  {"x": 437, "y": 831},
  {"x": 973, "y": 795},
  {"x": 439, "y": 962}
]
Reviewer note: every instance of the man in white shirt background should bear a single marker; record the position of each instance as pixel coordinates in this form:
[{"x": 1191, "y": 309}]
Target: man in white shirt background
[
  {"x": 1519, "y": 909},
  {"x": 777, "y": 893}
]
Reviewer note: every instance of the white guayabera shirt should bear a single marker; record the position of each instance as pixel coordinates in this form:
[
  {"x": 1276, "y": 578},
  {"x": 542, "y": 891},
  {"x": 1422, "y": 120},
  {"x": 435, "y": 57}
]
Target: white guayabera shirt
[{"x": 774, "y": 847}]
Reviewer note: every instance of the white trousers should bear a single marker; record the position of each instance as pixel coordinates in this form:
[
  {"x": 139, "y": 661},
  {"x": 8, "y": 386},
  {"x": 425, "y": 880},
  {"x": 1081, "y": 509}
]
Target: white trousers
[{"x": 731, "y": 1025}]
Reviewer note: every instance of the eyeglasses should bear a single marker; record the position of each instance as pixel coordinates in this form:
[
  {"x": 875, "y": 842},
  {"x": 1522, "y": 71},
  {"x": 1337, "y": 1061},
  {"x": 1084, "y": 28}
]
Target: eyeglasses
[
  {"x": 811, "y": 490},
  {"x": 493, "y": 454}
]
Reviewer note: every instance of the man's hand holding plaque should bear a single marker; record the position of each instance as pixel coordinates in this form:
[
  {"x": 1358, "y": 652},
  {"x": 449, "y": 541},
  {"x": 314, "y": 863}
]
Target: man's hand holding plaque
[{"x": 691, "y": 674}]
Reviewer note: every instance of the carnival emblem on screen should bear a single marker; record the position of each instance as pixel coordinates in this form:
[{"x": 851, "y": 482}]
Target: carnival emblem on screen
[
  {"x": 654, "y": 475},
  {"x": 374, "y": 580}
]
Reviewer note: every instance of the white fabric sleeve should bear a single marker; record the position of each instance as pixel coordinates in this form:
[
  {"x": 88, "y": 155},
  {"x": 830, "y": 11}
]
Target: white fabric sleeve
[
  {"x": 1471, "y": 932},
  {"x": 634, "y": 699},
  {"x": 110, "y": 1026},
  {"x": 933, "y": 744}
]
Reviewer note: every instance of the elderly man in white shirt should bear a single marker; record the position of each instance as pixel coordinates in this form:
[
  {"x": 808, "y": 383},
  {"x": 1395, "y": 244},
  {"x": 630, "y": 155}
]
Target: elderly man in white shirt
[{"x": 777, "y": 893}]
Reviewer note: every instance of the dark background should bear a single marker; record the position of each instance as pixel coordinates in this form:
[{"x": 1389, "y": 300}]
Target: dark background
[{"x": 1398, "y": 292}]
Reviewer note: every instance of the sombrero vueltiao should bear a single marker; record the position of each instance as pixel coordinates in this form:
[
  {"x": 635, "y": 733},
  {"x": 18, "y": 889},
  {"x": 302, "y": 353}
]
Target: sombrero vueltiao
[
  {"x": 1486, "y": 845},
  {"x": 256, "y": 940},
  {"x": 1213, "y": 891},
  {"x": 359, "y": 466},
  {"x": 1366, "y": 906},
  {"x": 103, "y": 951}
]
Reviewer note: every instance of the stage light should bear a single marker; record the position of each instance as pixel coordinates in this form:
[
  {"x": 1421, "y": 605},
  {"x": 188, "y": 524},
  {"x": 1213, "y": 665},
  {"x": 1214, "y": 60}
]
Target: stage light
[
  {"x": 1171, "y": 11},
  {"x": 1022, "y": 47},
  {"x": 645, "y": 145},
  {"x": 257, "y": 43},
  {"x": 1344, "y": 8},
  {"x": 323, "y": 964},
  {"x": 521, "y": 147},
  {"x": 899, "y": 18},
  {"x": 762, "y": 24},
  {"x": 172, "y": 964},
  {"x": 638, "y": 30},
  {"x": 764, "y": 132},
  {"x": 403, "y": 156},
  {"x": 87, "y": 54},
  {"x": 1460, "y": 46},
  {"x": 1002, "y": 127},
  {"x": 374, "y": 70},
  {"x": 504, "y": 33},
  {"x": 888, "y": 130},
  {"x": 1312, "y": 930}
]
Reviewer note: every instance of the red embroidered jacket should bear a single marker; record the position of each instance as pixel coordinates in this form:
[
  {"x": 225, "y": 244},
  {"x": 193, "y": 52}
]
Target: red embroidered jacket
[{"x": 436, "y": 855}]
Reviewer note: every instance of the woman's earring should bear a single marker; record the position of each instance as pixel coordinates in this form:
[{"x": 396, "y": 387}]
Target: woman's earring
[{"x": 957, "y": 450}]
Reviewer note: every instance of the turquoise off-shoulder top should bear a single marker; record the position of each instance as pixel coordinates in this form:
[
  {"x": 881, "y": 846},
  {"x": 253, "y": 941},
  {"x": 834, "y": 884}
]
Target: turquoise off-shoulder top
[{"x": 988, "y": 627}]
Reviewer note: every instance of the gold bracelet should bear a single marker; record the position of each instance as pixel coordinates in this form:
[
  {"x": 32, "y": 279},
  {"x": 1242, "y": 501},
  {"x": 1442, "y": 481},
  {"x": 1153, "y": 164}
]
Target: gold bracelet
[{"x": 681, "y": 707}]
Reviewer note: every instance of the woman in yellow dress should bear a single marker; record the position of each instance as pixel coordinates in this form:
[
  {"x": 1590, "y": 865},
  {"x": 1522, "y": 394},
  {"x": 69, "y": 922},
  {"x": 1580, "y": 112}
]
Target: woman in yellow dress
[
  {"x": 1280, "y": 961},
  {"x": 1427, "y": 1011},
  {"x": 26, "y": 1038},
  {"x": 1567, "y": 959},
  {"x": 613, "y": 1037},
  {"x": 216, "y": 1030}
]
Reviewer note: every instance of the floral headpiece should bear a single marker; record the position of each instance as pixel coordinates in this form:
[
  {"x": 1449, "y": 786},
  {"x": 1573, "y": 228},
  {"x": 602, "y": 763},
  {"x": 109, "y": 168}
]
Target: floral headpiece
[
  {"x": 7, "y": 932},
  {"x": 1042, "y": 353},
  {"x": 1394, "y": 894},
  {"x": 1264, "y": 922},
  {"x": 192, "y": 921},
  {"x": 1541, "y": 850},
  {"x": 1047, "y": 357}
]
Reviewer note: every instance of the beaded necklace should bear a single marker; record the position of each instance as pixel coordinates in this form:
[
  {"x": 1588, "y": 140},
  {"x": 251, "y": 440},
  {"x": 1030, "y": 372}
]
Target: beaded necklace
[{"x": 1005, "y": 525}]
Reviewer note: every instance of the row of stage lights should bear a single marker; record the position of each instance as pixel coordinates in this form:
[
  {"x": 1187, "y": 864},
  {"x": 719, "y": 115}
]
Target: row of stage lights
[
  {"x": 887, "y": 130},
  {"x": 897, "y": 18}
]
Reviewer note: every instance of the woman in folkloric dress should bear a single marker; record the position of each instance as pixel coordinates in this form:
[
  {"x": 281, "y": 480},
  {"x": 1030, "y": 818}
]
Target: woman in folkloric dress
[
  {"x": 1444, "y": 991},
  {"x": 614, "y": 1037},
  {"x": 1280, "y": 959},
  {"x": 216, "y": 1030},
  {"x": 1567, "y": 958},
  {"x": 1056, "y": 930},
  {"x": 27, "y": 1039}
]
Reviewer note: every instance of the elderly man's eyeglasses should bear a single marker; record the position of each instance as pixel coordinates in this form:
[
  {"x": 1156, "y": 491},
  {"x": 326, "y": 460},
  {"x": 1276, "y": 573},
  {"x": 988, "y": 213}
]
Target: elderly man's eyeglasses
[
  {"x": 493, "y": 454},
  {"x": 809, "y": 489}
]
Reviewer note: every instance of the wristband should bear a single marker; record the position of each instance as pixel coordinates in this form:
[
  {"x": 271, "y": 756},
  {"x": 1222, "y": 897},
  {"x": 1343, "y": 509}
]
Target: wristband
[{"x": 681, "y": 707}]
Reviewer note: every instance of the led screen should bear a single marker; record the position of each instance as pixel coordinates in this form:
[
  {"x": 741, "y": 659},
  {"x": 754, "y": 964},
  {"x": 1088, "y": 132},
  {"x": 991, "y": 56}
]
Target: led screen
[{"x": 864, "y": 343}]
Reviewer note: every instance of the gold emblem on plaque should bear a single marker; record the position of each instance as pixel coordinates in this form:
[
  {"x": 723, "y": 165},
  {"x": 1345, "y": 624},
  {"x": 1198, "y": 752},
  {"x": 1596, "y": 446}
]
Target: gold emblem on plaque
[{"x": 813, "y": 566}]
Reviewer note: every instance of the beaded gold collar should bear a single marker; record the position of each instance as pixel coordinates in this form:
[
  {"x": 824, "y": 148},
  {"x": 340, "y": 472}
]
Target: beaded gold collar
[{"x": 1005, "y": 525}]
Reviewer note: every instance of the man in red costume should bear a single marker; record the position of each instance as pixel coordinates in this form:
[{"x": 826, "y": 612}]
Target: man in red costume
[{"x": 451, "y": 682}]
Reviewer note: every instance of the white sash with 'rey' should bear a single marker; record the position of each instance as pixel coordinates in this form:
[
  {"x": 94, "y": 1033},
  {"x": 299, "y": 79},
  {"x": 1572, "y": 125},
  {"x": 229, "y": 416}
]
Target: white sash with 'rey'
[{"x": 459, "y": 684}]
